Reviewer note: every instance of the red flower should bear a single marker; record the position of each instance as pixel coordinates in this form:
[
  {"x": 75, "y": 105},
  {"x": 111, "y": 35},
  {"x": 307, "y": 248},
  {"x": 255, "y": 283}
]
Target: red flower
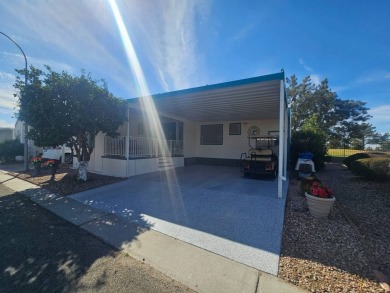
[
  {"x": 50, "y": 163},
  {"x": 320, "y": 190},
  {"x": 36, "y": 160}
]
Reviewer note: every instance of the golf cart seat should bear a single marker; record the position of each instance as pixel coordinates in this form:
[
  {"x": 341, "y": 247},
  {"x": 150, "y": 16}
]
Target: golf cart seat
[{"x": 263, "y": 155}]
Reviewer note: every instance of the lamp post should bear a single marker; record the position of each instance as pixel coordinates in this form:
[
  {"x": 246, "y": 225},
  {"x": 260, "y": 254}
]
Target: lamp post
[{"x": 25, "y": 89}]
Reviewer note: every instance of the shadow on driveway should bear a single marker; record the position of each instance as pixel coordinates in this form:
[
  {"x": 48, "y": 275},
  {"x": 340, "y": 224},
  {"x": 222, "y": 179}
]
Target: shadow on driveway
[{"x": 42, "y": 253}]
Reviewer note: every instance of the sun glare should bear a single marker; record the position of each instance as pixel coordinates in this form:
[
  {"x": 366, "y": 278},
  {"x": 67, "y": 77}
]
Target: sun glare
[{"x": 148, "y": 108}]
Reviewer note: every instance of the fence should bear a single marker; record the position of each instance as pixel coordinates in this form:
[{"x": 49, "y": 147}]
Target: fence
[
  {"x": 142, "y": 147},
  {"x": 353, "y": 149}
]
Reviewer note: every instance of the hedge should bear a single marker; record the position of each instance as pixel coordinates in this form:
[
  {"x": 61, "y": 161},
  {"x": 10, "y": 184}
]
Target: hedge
[
  {"x": 352, "y": 158},
  {"x": 376, "y": 168}
]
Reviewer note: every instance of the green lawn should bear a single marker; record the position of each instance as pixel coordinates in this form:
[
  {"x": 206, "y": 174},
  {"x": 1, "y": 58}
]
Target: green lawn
[{"x": 343, "y": 152}]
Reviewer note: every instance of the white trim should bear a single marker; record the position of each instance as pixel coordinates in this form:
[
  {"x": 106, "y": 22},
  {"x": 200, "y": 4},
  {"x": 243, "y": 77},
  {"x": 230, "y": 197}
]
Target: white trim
[
  {"x": 286, "y": 136},
  {"x": 128, "y": 142},
  {"x": 161, "y": 114},
  {"x": 281, "y": 140}
]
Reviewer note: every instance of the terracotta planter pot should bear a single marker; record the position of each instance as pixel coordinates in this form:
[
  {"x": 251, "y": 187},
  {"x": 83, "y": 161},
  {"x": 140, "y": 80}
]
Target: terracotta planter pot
[{"x": 319, "y": 207}]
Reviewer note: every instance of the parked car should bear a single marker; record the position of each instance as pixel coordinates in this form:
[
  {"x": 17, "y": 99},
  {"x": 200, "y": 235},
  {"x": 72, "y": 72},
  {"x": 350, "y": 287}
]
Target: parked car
[
  {"x": 56, "y": 154},
  {"x": 260, "y": 158}
]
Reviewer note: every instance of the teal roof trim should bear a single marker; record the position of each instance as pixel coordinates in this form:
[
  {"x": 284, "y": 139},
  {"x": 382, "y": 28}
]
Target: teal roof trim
[{"x": 263, "y": 78}]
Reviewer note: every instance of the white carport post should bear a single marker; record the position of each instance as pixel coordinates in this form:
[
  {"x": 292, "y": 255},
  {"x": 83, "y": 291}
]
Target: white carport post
[
  {"x": 286, "y": 138},
  {"x": 282, "y": 142},
  {"x": 127, "y": 152}
]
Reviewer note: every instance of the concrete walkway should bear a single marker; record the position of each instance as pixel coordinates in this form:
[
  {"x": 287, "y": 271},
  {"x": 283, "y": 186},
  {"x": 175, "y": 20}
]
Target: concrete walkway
[{"x": 195, "y": 267}]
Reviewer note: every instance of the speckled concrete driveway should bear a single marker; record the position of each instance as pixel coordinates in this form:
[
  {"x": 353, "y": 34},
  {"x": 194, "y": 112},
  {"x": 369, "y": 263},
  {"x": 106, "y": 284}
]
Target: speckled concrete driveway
[{"x": 214, "y": 208}]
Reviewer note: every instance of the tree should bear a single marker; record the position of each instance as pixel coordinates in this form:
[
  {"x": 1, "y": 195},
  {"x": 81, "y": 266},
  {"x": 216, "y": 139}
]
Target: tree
[
  {"x": 62, "y": 108},
  {"x": 298, "y": 93},
  {"x": 382, "y": 140},
  {"x": 9, "y": 149},
  {"x": 340, "y": 120}
]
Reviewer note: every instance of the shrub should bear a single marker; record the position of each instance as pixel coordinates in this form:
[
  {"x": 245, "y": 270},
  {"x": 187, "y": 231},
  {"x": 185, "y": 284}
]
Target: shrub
[
  {"x": 381, "y": 168},
  {"x": 348, "y": 160},
  {"x": 360, "y": 168},
  {"x": 377, "y": 168},
  {"x": 309, "y": 141},
  {"x": 11, "y": 148}
]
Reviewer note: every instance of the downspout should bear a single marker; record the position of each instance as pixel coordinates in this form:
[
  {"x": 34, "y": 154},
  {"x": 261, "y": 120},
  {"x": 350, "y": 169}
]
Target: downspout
[
  {"x": 289, "y": 133},
  {"x": 286, "y": 145},
  {"x": 281, "y": 141},
  {"x": 128, "y": 142}
]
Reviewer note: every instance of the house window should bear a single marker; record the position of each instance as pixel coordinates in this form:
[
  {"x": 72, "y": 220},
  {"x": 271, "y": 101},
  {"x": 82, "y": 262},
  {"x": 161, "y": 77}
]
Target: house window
[
  {"x": 211, "y": 134},
  {"x": 235, "y": 129}
]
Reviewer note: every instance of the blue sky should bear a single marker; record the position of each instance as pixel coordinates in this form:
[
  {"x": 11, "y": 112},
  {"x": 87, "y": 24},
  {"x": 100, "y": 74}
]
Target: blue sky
[{"x": 182, "y": 44}]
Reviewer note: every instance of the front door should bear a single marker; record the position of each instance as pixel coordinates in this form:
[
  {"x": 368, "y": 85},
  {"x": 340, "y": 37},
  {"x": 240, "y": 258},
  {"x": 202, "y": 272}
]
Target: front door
[{"x": 169, "y": 130}]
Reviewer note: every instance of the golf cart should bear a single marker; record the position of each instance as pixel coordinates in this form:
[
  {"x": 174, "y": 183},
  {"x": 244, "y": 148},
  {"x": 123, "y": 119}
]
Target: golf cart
[{"x": 261, "y": 158}]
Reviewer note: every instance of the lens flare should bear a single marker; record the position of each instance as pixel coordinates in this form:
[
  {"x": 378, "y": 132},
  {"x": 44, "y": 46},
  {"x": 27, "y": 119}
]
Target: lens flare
[{"x": 149, "y": 111}]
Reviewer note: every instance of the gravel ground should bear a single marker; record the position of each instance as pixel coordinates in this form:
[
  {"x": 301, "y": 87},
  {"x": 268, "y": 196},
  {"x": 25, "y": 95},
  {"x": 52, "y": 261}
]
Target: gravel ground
[{"x": 346, "y": 252}]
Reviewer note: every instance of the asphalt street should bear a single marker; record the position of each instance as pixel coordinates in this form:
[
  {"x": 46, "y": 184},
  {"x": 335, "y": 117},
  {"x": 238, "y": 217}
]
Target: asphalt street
[{"x": 41, "y": 252}]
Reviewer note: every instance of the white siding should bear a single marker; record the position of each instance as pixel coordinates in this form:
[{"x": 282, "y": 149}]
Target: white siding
[
  {"x": 116, "y": 168},
  {"x": 33, "y": 150},
  {"x": 190, "y": 139},
  {"x": 96, "y": 161},
  {"x": 233, "y": 145},
  {"x": 146, "y": 166},
  {"x": 135, "y": 118}
]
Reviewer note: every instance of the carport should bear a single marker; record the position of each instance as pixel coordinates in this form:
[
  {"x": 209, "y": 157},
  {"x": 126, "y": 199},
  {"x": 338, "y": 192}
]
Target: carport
[
  {"x": 259, "y": 101},
  {"x": 211, "y": 207},
  {"x": 207, "y": 203}
]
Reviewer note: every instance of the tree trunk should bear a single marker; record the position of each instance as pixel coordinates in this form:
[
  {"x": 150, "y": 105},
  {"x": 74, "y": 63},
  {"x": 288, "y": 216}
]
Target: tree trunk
[
  {"x": 53, "y": 169},
  {"x": 38, "y": 169},
  {"x": 83, "y": 166}
]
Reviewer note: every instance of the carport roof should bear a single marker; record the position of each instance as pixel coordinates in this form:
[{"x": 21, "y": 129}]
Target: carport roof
[{"x": 246, "y": 99}]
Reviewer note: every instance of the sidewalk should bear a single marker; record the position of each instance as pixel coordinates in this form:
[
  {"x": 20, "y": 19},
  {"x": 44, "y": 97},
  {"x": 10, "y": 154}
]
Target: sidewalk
[
  {"x": 194, "y": 267},
  {"x": 42, "y": 252}
]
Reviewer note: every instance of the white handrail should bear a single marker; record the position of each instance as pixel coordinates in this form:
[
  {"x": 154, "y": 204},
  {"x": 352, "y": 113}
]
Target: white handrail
[{"x": 142, "y": 147}]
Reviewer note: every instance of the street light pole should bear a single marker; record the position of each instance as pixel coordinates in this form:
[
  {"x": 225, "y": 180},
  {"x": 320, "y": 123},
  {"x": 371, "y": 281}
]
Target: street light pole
[{"x": 25, "y": 89}]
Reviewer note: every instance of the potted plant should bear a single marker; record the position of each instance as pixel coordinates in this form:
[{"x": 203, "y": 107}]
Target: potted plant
[
  {"x": 37, "y": 161},
  {"x": 320, "y": 199},
  {"x": 306, "y": 183}
]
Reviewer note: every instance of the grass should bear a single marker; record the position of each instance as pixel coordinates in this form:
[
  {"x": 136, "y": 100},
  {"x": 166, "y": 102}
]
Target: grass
[{"x": 343, "y": 152}]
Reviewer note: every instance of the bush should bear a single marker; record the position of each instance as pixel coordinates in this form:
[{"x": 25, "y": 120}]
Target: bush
[
  {"x": 377, "y": 168},
  {"x": 309, "y": 141},
  {"x": 360, "y": 168},
  {"x": 9, "y": 149},
  {"x": 348, "y": 160}
]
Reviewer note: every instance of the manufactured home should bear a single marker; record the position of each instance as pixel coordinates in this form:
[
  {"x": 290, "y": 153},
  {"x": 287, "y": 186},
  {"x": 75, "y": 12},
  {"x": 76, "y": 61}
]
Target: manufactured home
[{"x": 207, "y": 125}]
